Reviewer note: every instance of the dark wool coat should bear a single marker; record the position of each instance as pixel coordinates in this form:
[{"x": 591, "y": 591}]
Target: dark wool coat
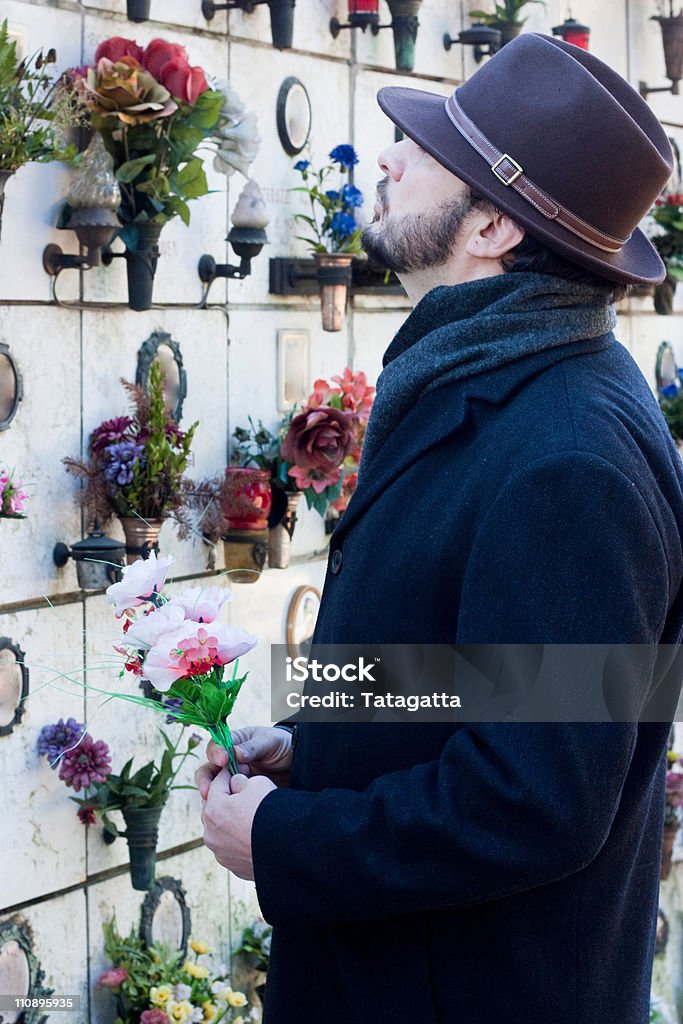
[{"x": 487, "y": 873}]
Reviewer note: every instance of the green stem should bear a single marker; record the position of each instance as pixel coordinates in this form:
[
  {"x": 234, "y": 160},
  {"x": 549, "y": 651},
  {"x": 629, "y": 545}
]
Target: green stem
[{"x": 221, "y": 735}]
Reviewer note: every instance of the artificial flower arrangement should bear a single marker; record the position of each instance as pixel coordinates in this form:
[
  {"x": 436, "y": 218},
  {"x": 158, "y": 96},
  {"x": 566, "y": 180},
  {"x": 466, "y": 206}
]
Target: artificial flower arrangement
[
  {"x": 332, "y": 220},
  {"x": 155, "y": 112},
  {"x": 136, "y": 463},
  {"x": 667, "y": 215},
  {"x": 32, "y": 108},
  {"x": 671, "y": 404},
  {"x": 178, "y": 645},
  {"x": 317, "y": 450},
  {"x": 673, "y": 808},
  {"x": 153, "y": 985},
  {"x": 13, "y": 498},
  {"x": 255, "y": 943}
]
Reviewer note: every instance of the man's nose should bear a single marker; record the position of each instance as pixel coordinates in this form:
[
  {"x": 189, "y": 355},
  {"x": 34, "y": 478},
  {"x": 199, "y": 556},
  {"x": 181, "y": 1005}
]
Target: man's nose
[{"x": 391, "y": 161}]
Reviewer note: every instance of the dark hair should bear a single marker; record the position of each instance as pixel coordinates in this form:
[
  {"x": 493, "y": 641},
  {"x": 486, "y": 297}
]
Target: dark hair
[{"x": 532, "y": 255}]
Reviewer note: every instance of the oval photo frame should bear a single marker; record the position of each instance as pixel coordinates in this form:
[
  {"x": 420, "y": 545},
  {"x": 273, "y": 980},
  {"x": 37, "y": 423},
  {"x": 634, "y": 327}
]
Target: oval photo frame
[
  {"x": 13, "y": 685},
  {"x": 161, "y": 346},
  {"x": 166, "y": 897},
  {"x": 293, "y": 115}
]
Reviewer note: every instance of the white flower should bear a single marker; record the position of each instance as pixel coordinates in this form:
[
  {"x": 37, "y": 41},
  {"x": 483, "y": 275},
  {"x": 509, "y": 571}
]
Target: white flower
[
  {"x": 148, "y": 630},
  {"x": 141, "y": 580},
  {"x": 254, "y": 1013},
  {"x": 233, "y": 108},
  {"x": 182, "y": 992},
  {"x": 197, "y": 1015},
  {"x": 220, "y": 989},
  {"x": 237, "y": 146},
  {"x": 202, "y": 605}
]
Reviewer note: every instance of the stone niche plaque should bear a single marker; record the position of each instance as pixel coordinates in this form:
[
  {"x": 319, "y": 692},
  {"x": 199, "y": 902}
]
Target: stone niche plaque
[
  {"x": 20, "y": 973},
  {"x": 13, "y": 685},
  {"x": 165, "y": 916}
]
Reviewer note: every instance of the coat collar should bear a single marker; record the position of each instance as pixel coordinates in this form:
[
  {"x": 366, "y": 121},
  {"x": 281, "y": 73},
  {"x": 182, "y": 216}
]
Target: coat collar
[{"x": 442, "y": 412}]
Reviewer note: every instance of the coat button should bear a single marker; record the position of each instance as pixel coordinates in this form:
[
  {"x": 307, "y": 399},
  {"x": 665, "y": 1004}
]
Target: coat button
[{"x": 336, "y": 562}]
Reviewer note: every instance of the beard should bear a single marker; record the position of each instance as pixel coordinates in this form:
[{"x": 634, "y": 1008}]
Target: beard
[{"x": 416, "y": 241}]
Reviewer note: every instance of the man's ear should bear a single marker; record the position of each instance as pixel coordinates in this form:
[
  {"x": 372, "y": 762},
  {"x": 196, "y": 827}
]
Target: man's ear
[{"x": 492, "y": 236}]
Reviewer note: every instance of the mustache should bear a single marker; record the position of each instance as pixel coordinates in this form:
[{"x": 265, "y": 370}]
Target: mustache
[{"x": 382, "y": 192}]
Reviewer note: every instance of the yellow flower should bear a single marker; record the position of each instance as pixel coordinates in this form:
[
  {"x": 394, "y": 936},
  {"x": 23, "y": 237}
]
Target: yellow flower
[
  {"x": 209, "y": 1009},
  {"x": 199, "y": 947},
  {"x": 236, "y": 998},
  {"x": 160, "y": 996},
  {"x": 238, "y": 1020},
  {"x": 672, "y": 756},
  {"x": 194, "y": 970},
  {"x": 179, "y": 1011}
]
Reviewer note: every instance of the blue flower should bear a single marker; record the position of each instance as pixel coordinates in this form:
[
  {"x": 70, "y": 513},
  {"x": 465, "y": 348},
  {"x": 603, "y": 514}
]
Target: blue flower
[
  {"x": 344, "y": 155},
  {"x": 54, "y": 739},
  {"x": 670, "y": 390},
  {"x": 302, "y": 165},
  {"x": 333, "y": 195},
  {"x": 342, "y": 225},
  {"x": 352, "y": 196},
  {"x": 122, "y": 460}
]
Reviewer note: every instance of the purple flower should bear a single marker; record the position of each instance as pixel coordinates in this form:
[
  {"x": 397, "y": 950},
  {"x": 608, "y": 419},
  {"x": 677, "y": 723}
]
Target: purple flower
[
  {"x": 342, "y": 225},
  {"x": 344, "y": 155},
  {"x": 352, "y": 196},
  {"x": 53, "y": 739},
  {"x": 110, "y": 432},
  {"x": 302, "y": 165},
  {"x": 173, "y": 703},
  {"x": 122, "y": 460},
  {"x": 86, "y": 764}
]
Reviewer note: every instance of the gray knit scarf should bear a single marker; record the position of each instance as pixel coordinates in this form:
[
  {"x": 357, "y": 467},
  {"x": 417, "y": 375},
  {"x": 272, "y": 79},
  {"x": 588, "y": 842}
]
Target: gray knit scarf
[{"x": 457, "y": 331}]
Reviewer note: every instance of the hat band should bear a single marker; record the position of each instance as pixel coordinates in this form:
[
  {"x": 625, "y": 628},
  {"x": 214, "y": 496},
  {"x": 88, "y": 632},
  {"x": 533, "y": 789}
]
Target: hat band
[{"x": 512, "y": 175}]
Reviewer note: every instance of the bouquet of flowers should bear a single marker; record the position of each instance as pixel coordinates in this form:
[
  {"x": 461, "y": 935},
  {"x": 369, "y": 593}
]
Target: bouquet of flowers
[
  {"x": 32, "y": 108},
  {"x": 178, "y": 645},
  {"x": 12, "y": 496},
  {"x": 85, "y": 765},
  {"x": 153, "y": 985},
  {"x": 155, "y": 112},
  {"x": 136, "y": 462},
  {"x": 332, "y": 221},
  {"x": 673, "y": 794}
]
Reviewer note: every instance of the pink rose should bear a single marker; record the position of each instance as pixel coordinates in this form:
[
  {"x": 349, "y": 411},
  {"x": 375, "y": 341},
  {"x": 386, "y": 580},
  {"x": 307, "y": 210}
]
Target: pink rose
[
  {"x": 153, "y": 1017},
  {"x": 320, "y": 439},
  {"x": 113, "y": 978},
  {"x": 183, "y": 82},
  {"x": 160, "y": 52},
  {"x": 117, "y": 47}
]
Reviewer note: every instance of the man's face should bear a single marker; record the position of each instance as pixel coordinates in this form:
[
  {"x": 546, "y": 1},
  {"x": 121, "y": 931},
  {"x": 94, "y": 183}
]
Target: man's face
[{"x": 419, "y": 210}]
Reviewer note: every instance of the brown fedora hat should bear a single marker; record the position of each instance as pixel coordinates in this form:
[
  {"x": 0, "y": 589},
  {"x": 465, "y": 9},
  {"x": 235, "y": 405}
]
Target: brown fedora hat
[{"x": 558, "y": 141}]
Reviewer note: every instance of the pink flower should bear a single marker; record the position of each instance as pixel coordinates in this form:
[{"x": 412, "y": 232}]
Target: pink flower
[
  {"x": 111, "y": 432},
  {"x": 202, "y": 605},
  {"x": 117, "y": 47},
  {"x": 85, "y": 764},
  {"x": 195, "y": 650},
  {"x": 155, "y": 1016},
  {"x": 113, "y": 978},
  {"x": 160, "y": 52},
  {"x": 349, "y": 485},
  {"x": 182, "y": 81},
  {"x": 315, "y": 478},
  {"x": 141, "y": 582},
  {"x": 320, "y": 439},
  {"x": 18, "y": 499}
]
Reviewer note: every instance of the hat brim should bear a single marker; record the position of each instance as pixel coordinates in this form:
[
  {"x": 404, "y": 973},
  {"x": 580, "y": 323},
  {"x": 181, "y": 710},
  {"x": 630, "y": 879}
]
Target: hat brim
[{"x": 422, "y": 117}]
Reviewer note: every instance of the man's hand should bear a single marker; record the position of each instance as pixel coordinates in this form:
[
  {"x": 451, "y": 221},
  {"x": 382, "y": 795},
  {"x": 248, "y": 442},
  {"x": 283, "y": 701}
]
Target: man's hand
[
  {"x": 227, "y": 816},
  {"x": 260, "y": 750}
]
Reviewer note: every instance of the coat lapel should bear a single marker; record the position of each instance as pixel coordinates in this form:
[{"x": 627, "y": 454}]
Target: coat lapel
[{"x": 441, "y": 413}]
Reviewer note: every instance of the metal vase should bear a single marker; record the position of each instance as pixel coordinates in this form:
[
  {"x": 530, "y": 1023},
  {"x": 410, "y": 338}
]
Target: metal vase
[
  {"x": 142, "y": 536},
  {"x": 245, "y": 553},
  {"x": 142, "y": 835},
  {"x": 4, "y": 176},
  {"x": 404, "y": 24},
  {"x": 282, "y": 23},
  {"x": 508, "y": 31},
  {"x": 141, "y": 265},
  {"x": 138, "y": 10},
  {"x": 672, "y": 38},
  {"x": 334, "y": 277},
  {"x": 280, "y": 536}
]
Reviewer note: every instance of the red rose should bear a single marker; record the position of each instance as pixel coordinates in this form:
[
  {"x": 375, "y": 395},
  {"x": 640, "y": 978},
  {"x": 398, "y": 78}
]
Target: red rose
[
  {"x": 116, "y": 48},
  {"x": 158, "y": 53},
  {"x": 320, "y": 439},
  {"x": 186, "y": 84}
]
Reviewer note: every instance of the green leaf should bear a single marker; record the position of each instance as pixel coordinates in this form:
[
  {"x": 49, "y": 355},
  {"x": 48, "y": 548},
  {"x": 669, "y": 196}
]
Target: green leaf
[
  {"x": 190, "y": 181},
  {"x": 129, "y": 171},
  {"x": 179, "y": 206},
  {"x": 207, "y": 109}
]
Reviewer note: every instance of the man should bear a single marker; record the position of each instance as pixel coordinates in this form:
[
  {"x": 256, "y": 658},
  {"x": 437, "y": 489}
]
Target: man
[{"x": 518, "y": 485}]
